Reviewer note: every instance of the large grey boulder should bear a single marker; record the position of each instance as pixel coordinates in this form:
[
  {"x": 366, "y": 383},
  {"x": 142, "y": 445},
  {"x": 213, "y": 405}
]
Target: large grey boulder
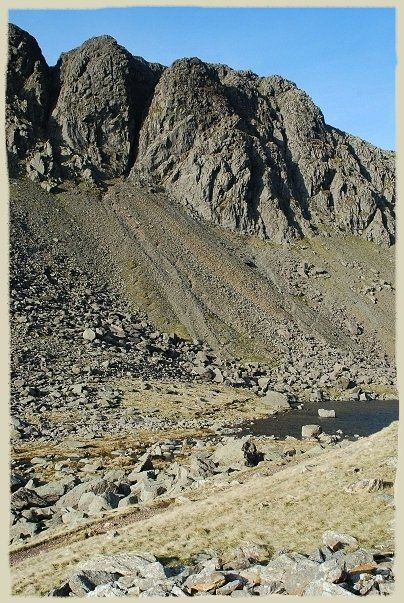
[
  {"x": 23, "y": 529},
  {"x": 311, "y": 431},
  {"x": 52, "y": 491},
  {"x": 24, "y": 498},
  {"x": 202, "y": 466},
  {"x": 106, "y": 590},
  {"x": 275, "y": 401},
  {"x": 124, "y": 564},
  {"x": 96, "y": 503},
  {"x": 204, "y": 581},
  {"x": 229, "y": 453},
  {"x": 336, "y": 540},
  {"x": 324, "y": 588},
  {"x": 325, "y": 413},
  {"x": 95, "y": 486},
  {"x": 295, "y": 571}
]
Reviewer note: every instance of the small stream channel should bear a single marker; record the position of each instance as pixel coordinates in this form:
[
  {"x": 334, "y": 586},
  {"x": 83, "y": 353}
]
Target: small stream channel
[{"x": 352, "y": 418}]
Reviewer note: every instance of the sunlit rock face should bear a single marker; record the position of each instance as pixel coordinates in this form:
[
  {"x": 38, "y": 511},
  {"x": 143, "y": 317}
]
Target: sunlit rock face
[{"x": 248, "y": 153}]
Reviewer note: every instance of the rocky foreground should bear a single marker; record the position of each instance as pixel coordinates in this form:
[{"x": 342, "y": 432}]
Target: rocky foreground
[
  {"x": 85, "y": 486},
  {"x": 90, "y": 524},
  {"x": 337, "y": 568}
]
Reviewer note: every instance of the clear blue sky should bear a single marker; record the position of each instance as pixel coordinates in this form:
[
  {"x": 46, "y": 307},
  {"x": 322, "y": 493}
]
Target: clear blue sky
[{"x": 344, "y": 58}]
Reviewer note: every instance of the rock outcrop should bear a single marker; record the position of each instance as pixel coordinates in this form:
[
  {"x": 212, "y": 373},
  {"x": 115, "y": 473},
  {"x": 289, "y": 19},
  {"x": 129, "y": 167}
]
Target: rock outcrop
[
  {"x": 349, "y": 572},
  {"x": 103, "y": 94},
  {"x": 248, "y": 153},
  {"x": 255, "y": 155},
  {"x": 81, "y": 118},
  {"x": 27, "y": 95}
]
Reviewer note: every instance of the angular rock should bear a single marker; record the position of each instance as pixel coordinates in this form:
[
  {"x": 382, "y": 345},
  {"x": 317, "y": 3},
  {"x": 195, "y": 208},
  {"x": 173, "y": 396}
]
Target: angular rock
[
  {"x": 324, "y": 413},
  {"x": 229, "y": 454},
  {"x": 311, "y": 431},
  {"x": 95, "y": 486},
  {"x": 23, "y": 529},
  {"x": 89, "y": 334},
  {"x": 202, "y": 466},
  {"x": 24, "y": 498},
  {"x": 294, "y": 570},
  {"x": 52, "y": 491},
  {"x": 228, "y": 588},
  {"x": 263, "y": 382},
  {"x": 143, "y": 565},
  {"x": 106, "y": 590},
  {"x": 323, "y": 588},
  {"x": 73, "y": 517},
  {"x": 365, "y": 485},
  {"x": 205, "y": 581},
  {"x": 250, "y": 551},
  {"x": 63, "y": 590},
  {"x": 95, "y": 503},
  {"x": 275, "y": 401},
  {"x": 337, "y": 540},
  {"x": 354, "y": 558},
  {"x": 270, "y": 589},
  {"x": 80, "y": 584},
  {"x": 144, "y": 464}
]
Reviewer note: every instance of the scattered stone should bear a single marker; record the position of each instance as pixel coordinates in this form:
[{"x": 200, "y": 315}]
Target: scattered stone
[
  {"x": 321, "y": 588},
  {"x": 365, "y": 485},
  {"x": 334, "y": 573},
  {"x": 144, "y": 464},
  {"x": 89, "y": 335}
]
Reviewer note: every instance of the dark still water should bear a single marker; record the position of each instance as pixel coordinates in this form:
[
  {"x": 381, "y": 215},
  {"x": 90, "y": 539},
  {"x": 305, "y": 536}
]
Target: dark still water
[{"x": 353, "y": 418}]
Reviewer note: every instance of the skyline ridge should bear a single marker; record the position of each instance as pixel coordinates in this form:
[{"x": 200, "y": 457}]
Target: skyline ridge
[{"x": 344, "y": 58}]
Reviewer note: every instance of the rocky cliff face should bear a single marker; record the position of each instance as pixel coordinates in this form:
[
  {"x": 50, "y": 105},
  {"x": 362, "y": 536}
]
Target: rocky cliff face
[
  {"x": 103, "y": 93},
  {"x": 254, "y": 154},
  {"x": 84, "y": 114},
  {"x": 27, "y": 94},
  {"x": 248, "y": 153}
]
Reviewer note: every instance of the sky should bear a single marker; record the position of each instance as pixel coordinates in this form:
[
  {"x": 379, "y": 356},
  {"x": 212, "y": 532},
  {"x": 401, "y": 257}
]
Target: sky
[{"x": 344, "y": 58}]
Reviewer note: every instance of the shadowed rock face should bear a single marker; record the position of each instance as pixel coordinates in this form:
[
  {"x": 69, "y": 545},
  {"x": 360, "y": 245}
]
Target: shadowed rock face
[
  {"x": 27, "y": 95},
  {"x": 103, "y": 94},
  {"x": 84, "y": 114},
  {"x": 248, "y": 153}
]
